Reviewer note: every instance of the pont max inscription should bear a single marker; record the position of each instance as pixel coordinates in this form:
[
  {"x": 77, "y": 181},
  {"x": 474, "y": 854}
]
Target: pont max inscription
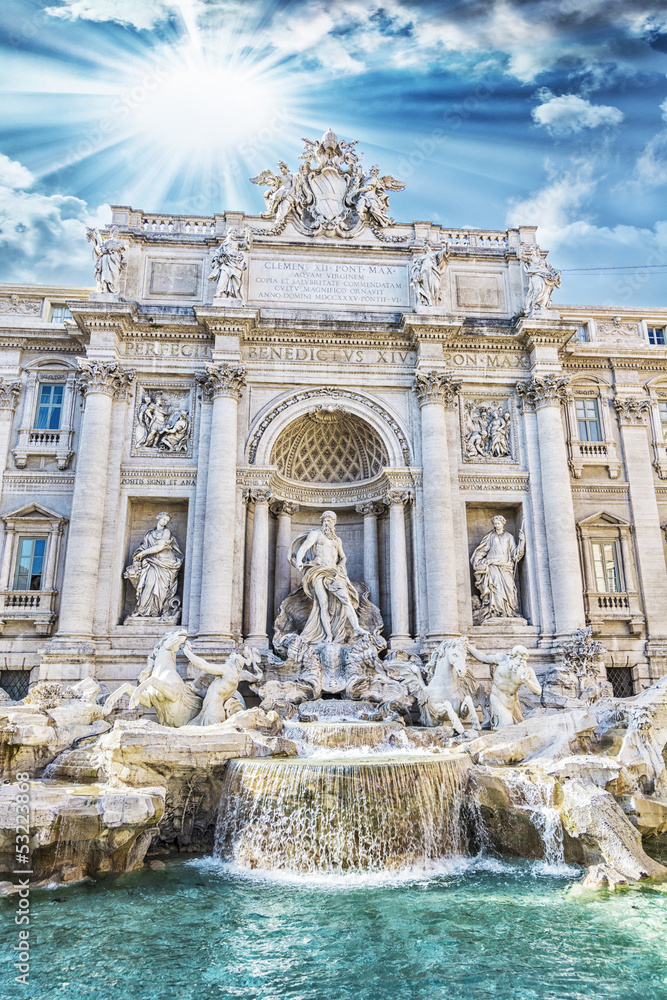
[
  {"x": 486, "y": 359},
  {"x": 328, "y": 283}
]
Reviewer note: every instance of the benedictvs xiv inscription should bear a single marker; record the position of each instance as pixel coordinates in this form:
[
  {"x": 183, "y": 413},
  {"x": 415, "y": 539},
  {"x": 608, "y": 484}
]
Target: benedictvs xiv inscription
[
  {"x": 332, "y": 283},
  {"x": 337, "y": 355}
]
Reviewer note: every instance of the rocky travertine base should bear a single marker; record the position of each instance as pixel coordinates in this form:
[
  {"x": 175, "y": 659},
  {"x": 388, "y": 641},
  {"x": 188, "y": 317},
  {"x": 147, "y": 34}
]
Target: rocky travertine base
[
  {"x": 79, "y": 830},
  {"x": 598, "y": 775}
]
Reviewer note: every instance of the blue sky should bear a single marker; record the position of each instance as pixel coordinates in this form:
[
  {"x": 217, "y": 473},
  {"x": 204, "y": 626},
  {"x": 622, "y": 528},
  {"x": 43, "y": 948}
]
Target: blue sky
[{"x": 494, "y": 113}]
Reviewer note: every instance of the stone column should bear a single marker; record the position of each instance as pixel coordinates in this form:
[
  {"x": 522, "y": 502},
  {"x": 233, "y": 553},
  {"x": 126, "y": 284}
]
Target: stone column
[
  {"x": 437, "y": 391},
  {"x": 397, "y": 500},
  {"x": 223, "y": 383},
  {"x": 101, "y": 383},
  {"x": 652, "y": 572},
  {"x": 281, "y": 585},
  {"x": 259, "y": 571},
  {"x": 371, "y": 511},
  {"x": 545, "y": 394}
]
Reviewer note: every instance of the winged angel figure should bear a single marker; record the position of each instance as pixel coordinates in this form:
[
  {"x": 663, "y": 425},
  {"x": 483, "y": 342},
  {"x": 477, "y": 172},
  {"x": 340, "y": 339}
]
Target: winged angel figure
[
  {"x": 285, "y": 191},
  {"x": 369, "y": 196}
]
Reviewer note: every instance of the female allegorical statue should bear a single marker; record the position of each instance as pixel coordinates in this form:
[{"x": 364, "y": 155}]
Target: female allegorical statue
[{"x": 154, "y": 574}]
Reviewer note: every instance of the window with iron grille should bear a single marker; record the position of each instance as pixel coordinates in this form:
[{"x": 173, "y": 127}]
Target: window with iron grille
[
  {"x": 50, "y": 407},
  {"x": 656, "y": 336},
  {"x": 588, "y": 419},
  {"x": 606, "y": 567},
  {"x": 620, "y": 679},
  {"x": 15, "y": 683},
  {"x": 29, "y": 563}
]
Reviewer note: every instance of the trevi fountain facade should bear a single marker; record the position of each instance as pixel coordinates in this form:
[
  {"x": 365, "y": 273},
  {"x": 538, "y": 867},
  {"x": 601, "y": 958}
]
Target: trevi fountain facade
[{"x": 331, "y": 545}]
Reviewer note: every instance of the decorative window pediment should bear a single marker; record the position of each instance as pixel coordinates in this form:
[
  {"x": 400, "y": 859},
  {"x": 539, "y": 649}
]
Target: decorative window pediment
[
  {"x": 28, "y": 569},
  {"x": 46, "y": 429},
  {"x": 590, "y": 438},
  {"x": 610, "y": 590}
]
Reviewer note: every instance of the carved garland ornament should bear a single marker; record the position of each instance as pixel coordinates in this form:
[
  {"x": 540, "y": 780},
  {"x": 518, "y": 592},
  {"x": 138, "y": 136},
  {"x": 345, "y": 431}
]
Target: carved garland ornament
[
  {"x": 222, "y": 380},
  {"x": 543, "y": 390},
  {"x": 631, "y": 409},
  {"x": 437, "y": 387},
  {"x": 356, "y": 397},
  {"x": 108, "y": 378},
  {"x": 398, "y": 498}
]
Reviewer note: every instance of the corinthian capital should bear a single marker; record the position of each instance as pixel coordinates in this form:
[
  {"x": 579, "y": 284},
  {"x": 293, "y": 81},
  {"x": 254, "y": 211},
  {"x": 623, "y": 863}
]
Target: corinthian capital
[
  {"x": 436, "y": 387},
  {"x": 398, "y": 498},
  {"x": 9, "y": 394},
  {"x": 631, "y": 409},
  {"x": 106, "y": 377},
  {"x": 369, "y": 507},
  {"x": 222, "y": 380},
  {"x": 543, "y": 390}
]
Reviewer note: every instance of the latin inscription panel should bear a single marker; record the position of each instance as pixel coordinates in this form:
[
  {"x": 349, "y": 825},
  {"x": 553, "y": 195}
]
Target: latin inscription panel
[{"x": 332, "y": 283}]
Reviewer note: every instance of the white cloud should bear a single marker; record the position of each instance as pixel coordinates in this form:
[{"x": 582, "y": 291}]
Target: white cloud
[
  {"x": 570, "y": 113},
  {"x": 559, "y": 201},
  {"x": 651, "y": 167},
  {"x": 663, "y": 108},
  {"x": 138, "y": 13},
  {"x": 43, "y": 237}
]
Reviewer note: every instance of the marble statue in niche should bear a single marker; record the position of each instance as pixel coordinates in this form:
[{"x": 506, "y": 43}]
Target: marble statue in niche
[
  {"x": 486, "y": 430},
  {"x": 426, "y": 273},
  {"x": 109, "y": 259},
  {"x": 153, "y": 573},
  {"x": 162, "y": 423},
  {"x": 229, "y": 262},
  {"x": 320, "y": 556},
  {"x": 542, "y": 278},
  {"x": 494, "y": 563}
]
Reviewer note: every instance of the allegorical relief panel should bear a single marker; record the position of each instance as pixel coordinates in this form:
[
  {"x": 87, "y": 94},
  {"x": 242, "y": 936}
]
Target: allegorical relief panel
[
  {"x": 487, "y": 432},
  {"x": 163, "y": 420}
]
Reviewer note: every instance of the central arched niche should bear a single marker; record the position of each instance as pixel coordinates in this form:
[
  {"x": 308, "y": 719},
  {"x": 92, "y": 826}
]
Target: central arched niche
[{"x": 329, "y": 445}]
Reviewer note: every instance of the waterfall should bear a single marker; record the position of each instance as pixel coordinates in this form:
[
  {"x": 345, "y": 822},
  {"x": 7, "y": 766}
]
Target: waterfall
[
  {"x": 347, "y": 814},
  {"x": 348, "y": 735},
  {"x": 537, "y": 799}
]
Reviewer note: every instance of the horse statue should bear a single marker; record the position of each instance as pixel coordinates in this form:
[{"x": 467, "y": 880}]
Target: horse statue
[
  {"x": 177, "y": 702},
  {"x": 448, "y": 694}
]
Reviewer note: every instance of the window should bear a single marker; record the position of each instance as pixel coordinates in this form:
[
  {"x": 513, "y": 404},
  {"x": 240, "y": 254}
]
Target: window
[
  {"x": 59, "y": 314},
  {"x": 582, "y": 333},
  {"x": 30, "y": 563},
  {"x": 656, "y": 336},
  {"x": 605, "y": 567},
  {"x": 620, "y": 679},
  {"x": 662, "y": 409},
  {"x": 15, "y": 683},
  {"x": 588, "y": 419},
  {"x": 50, "y": 407}
]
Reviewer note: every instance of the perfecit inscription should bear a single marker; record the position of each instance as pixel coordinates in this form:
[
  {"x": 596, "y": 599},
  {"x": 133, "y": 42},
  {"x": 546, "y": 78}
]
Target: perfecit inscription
[{"x": 328, "y": 282}]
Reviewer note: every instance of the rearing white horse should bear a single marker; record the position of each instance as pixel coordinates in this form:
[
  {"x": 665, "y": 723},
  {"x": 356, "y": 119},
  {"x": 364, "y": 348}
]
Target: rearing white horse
[{"x": 448, "y": 695}]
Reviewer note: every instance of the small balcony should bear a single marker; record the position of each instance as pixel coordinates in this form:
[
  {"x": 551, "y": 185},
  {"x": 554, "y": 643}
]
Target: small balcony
[
  {"x": 602, "y": 453},
  {"x": 31, "y": 607},
  {"x": 44, "y": 443},
  {"x": 605, "y": 608}
]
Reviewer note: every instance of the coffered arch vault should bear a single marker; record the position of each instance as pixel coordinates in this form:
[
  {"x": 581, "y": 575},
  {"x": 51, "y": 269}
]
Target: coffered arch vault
[{"x": 374, "y": 430}]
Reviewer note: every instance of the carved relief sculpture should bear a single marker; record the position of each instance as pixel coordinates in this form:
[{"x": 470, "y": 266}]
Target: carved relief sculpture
[
  {"x": 486, "y": 430},
  {"x": 154, "y": 574},
  {"x": 162, "y": 423},
  {"x": 109, "y": 259},
  {"x": 229, "y": 262},
  {"x": 426, "y": 273},
  {"x": 330, "y": 194},
  {"x": 494, "y": 563},
  {"x": 542, "y": 278}
]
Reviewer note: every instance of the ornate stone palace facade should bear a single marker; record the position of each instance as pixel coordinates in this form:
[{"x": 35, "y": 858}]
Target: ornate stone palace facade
[{"x": 164, "y": 439}]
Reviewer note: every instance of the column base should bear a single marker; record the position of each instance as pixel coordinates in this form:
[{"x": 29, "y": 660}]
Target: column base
[
  {"x": 258, "y": 642},
  {"x": 67, "y": 658},
  {"x": 402, "y": 642}
]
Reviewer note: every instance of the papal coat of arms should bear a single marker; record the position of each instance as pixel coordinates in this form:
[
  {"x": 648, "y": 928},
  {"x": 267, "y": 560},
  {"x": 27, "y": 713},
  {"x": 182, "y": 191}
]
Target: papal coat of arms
[{"x": 330, "y": 194}]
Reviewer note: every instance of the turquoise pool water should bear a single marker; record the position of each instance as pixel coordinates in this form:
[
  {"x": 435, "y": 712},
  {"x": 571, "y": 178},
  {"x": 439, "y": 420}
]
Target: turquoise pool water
[{"x": 473, "y": 930}]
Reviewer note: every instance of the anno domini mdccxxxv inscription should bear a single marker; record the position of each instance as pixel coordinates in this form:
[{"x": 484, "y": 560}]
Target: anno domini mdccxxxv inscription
[{"x": 328, "y": 282}]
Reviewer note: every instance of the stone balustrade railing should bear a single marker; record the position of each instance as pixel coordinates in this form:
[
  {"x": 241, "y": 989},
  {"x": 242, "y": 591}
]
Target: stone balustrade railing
[{"x": 188, "y": 225}]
